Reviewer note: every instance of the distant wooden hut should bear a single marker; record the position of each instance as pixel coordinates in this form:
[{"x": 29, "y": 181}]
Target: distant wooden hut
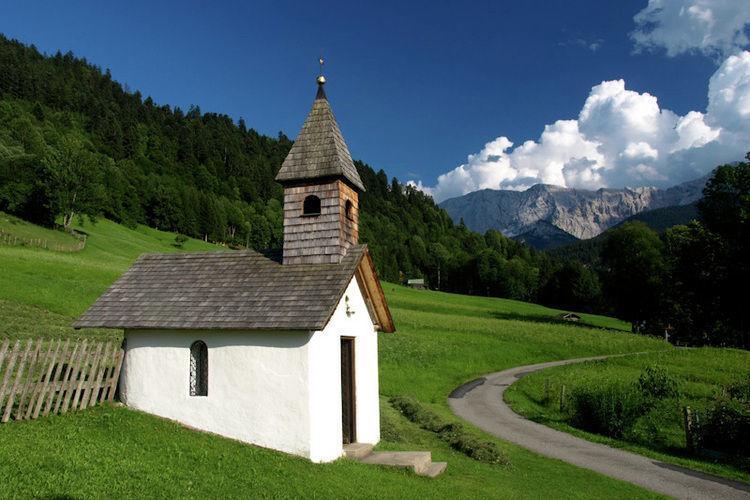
[
  {"x": 417, "y": 283},
  {"x": 571, "y": 317}
]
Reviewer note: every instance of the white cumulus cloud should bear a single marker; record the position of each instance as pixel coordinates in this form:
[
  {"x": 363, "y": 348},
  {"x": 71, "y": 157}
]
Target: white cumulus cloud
[
  {"x": 711, "y": 27},
  {"x": 620, "y": 138}
]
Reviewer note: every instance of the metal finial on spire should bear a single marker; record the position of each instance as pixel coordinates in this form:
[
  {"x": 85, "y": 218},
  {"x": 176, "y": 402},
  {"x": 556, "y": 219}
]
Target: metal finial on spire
[{"x": 321, "y": 78}]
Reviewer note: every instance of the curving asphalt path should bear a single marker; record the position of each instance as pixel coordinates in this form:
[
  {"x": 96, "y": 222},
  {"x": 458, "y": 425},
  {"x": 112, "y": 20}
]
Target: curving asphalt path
[{"x": 482, "y": 404}]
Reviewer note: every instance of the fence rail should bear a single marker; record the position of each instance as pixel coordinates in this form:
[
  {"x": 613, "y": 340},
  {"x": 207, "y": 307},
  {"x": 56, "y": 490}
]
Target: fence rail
[{"x": 41, "y": 376}]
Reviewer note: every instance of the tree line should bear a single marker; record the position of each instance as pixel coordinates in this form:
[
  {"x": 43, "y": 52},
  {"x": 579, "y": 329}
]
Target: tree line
[{"x": 688, "y": 282}]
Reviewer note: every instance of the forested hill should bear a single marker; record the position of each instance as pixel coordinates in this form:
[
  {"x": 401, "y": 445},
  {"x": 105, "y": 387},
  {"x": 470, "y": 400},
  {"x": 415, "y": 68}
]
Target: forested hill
[{"x": 74, "y": 141}]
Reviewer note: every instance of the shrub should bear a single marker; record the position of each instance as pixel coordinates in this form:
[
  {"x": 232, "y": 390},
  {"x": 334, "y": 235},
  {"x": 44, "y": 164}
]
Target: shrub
[
  {"x": 656, "y": 427},
  {"x": 655, "y": 382},
  {"x": 179, "y": 240},
  {"x": 483, "y": 451},
  {"x": 411, "y": 409},
  {"x": 611, "y": 409},
  {"x": 454, "y": 434},
  {"x": 725, "y": 425},
  {"x": 740, "y": 390},
  {"x": 388, "y": 430},
  {"x": 616, "y": 408}
]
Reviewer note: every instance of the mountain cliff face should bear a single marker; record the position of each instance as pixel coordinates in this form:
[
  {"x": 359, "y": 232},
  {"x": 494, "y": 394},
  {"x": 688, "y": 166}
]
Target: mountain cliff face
[{"x": 547, "y": 209}]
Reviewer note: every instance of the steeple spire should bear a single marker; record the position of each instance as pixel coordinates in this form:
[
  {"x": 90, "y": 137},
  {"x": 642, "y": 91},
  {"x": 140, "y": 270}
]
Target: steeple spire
[{"x": 319, "y": 150}]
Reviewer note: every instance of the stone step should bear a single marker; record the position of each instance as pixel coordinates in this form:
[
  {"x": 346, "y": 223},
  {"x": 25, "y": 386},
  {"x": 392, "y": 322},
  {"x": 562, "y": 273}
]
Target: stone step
[
  {"x": 417, "y": 461},
  {"x": 357, "y": 450},
  {"x": 435, "y": 469}
]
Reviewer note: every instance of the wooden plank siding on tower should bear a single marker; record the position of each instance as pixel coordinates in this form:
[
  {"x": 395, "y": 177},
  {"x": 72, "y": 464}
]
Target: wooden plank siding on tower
[{"x": 322, "y": 238}]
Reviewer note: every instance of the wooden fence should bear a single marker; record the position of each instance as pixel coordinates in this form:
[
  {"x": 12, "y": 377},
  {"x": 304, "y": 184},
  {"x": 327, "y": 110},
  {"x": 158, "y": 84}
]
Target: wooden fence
[
  {"x": 12, "y": 240},
  {"x": 39, "y": 377}
]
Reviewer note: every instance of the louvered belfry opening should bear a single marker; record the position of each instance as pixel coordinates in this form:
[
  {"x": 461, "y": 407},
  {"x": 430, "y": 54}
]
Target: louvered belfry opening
[{"x": 320, "y": 166}]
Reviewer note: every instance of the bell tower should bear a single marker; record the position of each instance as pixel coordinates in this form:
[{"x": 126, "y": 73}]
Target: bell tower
[{"x": 321, "y": 190}]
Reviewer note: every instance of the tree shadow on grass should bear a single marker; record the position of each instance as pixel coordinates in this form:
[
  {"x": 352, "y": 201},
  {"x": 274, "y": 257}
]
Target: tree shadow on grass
[{"x": 539, "y": 318}]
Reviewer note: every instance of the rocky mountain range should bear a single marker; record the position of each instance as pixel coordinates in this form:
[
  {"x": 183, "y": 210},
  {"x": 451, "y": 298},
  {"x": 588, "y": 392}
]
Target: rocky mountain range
[{"x": 546, "y": 213}]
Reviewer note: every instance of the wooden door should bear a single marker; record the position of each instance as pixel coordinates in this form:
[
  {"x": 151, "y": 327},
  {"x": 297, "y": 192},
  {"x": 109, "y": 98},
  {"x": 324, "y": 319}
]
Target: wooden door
[{"x": 348, "y": 407}]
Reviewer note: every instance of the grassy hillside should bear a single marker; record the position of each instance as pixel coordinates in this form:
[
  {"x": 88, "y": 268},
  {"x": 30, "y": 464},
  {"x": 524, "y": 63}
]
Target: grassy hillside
[
  {"x": 442, "y": 341},
  {"x": 15, "y": 231},
  {"x": 68, "y": 282},
  {"x": 700, "y": 374}
]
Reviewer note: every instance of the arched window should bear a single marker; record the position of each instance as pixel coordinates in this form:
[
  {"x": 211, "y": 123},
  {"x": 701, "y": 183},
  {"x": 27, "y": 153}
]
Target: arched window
[
  {"x": 349, "y": 209},
  {"x": 311, "y": 205},
  {"x": 198, "y": 369}
]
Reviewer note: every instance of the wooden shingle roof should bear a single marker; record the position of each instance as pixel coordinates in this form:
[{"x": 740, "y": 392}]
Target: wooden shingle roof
[
  {"x": 226, "y": 290},
  {"x": 319, "y": 150}
]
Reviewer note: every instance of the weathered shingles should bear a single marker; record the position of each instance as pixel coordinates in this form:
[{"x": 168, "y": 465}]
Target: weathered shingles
[
  {"x": 319, "y": 150},
  {"x": 222, "y": 290}
]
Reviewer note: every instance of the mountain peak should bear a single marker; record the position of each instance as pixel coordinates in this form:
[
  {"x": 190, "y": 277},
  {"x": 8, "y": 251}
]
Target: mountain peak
[{"x": 578, "y": 212}]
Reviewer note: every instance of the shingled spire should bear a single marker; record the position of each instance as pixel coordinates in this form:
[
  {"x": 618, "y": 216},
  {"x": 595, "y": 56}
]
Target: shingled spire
[
  {"x": 319, "y": 150},
  {"x": 321, "y": 190}
]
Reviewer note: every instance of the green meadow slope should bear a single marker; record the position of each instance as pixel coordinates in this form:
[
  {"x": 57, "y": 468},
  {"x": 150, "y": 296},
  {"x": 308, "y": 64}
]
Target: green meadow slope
[
  {"x": 441, "y": 341},
  {"x": 699, "y": 374}
]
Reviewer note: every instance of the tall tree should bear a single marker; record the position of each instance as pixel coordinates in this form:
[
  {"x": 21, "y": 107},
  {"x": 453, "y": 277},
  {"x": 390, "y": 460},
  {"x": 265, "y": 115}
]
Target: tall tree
[
  {"x": 633, "y": 268},
  {"x": 73, "y": 180}
]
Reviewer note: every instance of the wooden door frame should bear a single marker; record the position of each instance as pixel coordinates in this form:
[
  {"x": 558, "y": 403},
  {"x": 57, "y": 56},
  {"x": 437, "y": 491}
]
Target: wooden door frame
[{"x": 353, "y": 391}]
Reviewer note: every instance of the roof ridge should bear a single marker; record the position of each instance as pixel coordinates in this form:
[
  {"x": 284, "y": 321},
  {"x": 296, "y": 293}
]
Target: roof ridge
[{"x": 202, "y": 253}]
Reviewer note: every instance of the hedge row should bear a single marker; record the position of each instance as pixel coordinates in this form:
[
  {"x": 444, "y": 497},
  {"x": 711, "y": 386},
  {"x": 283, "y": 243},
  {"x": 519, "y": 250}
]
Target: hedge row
[{"x": 452, "y": 433}]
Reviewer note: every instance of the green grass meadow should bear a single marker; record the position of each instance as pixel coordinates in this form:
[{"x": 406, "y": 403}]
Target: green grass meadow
[
  {"x": 700, "y": 374},
  {"x": 442, "y": 340},
  {"x": 68, "y": 282},
  {"x": 28, "y": 234}
]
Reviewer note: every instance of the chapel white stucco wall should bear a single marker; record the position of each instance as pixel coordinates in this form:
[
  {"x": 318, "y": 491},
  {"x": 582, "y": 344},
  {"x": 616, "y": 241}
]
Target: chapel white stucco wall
[
  {"x": 280, "y": 390},
  {"x": 257, "y": 384},
  {"x": 325, "y": 377}
]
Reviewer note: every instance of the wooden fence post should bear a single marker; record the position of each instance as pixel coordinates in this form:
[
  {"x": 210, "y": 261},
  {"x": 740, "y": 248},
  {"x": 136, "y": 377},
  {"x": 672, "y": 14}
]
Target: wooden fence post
[
  {"x": 16, "y": 382},
  {"x": 58, "y": 371},
  {"x": 37, "y": 386},
  {"x": 64, "y": 380},
  {"x": 562, "y": 398},
  {"x": 75, "y": 373},
  {"x": 687, "y": 415},
  {"x": 45, "y": 381},
  {"x": 82, "y": 379},
  {"x": 89, "y": 386},
  {"x": 12, "y": 357},
  {"x": 29, "y": 381},
  {"x": 120, "y": 353},
  {"x": 3, "y": 351}
]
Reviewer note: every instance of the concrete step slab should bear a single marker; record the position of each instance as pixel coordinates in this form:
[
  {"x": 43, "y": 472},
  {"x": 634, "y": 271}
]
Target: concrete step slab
[
  {"x": 418, "y": 461},
  {"x": 435, "y": 469},
  {"x": 357, "y": 451}
]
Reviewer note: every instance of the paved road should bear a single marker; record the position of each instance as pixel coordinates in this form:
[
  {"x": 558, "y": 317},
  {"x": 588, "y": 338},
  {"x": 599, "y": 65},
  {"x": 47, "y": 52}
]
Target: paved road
[{"x": 483, "y": 406}]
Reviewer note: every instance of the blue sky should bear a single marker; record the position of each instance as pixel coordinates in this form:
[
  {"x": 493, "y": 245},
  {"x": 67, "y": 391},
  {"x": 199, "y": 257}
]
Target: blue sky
[{"x": 416, "y": 86}]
